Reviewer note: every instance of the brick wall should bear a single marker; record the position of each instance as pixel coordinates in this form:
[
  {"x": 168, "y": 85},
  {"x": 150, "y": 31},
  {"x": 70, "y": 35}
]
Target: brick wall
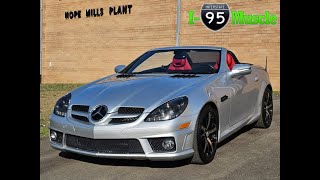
[{"x": 85, "y": 49}]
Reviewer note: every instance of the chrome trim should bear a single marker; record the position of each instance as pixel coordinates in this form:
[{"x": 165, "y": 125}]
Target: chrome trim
[
  {"x": 79, "y": 113},
  {"x": 124, "y": 115},
  {"x": 103, "y": 119}
]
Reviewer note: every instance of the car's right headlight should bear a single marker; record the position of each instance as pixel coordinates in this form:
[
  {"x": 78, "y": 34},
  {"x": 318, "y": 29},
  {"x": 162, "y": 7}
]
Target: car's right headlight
[
  {"x": 61, "y": 106},
  {"x": 168, "y": 110}
]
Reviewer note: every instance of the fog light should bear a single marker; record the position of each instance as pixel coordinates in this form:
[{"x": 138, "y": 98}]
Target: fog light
[
  {"x": 53, "y": 135},
  {"x": 168, "y": 144}
]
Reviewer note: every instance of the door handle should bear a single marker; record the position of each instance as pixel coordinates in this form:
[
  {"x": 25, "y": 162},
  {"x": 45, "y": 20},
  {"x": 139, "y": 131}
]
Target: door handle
[{"x": 256, "y": 78}]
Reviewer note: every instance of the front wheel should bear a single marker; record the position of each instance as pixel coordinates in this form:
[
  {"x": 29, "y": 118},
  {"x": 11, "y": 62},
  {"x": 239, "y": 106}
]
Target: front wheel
[
  {"x": 205, "y": 136},
  {"x": 266, "y": 110}
]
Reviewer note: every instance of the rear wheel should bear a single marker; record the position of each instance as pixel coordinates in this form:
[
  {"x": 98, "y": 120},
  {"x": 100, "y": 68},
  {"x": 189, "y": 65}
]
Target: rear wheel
[
  {"x": 266, "y": 110},
  {"x": 205, "y": 136}
]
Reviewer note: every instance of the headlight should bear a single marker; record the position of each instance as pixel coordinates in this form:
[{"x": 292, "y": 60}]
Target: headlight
[
  {"x": 168, "y": 110},
  {"x": 61, "y": 106}
]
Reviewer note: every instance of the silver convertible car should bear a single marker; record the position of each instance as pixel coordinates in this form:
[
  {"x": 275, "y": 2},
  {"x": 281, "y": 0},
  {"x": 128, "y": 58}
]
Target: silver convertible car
[{"x": 170, "y": 103}]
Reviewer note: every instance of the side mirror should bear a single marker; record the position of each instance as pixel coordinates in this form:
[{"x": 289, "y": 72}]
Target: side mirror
[
  {"x": 240, "y": 70},
  {"x": 119, "y": 68}
]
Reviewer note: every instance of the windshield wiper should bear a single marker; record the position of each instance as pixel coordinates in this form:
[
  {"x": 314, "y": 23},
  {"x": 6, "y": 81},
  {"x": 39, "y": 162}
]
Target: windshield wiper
[
  {"x": 148, "y": 72},
  {"x": 125, "y": 75},
  {"x": 185, "y": 76},
  {"x": 181, "y": 72}
]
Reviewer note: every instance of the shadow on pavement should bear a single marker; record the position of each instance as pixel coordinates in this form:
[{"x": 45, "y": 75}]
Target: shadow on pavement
[
  {"x": 124, "y": 162},
  {"x": 236, "y": 134}
]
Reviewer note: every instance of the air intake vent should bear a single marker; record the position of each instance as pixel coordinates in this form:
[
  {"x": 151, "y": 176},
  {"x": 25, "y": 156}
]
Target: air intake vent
[
  {"x": 80, "y": 118},
  {"x": 112, "y": 146},
  {"x": 123, "y": 120},
  {"x": 80, "y": 113},
  {"x": 157, "y": 144},
  {"x": 125, "y": 75},
  {"x": 80, "y": 108},
  {"x": 133, "y": 112},
  {"x": 130, "y": 110}
]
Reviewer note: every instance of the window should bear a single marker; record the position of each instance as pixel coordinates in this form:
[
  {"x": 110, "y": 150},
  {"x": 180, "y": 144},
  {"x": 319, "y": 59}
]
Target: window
[
  {"x": 155, "y": 61},
  {"x": 197, "y": 61},
  {"x": 209, "y": 57}
]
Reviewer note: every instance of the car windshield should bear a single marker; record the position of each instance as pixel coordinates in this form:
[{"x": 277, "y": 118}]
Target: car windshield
[{"x": 189, "y": 61}]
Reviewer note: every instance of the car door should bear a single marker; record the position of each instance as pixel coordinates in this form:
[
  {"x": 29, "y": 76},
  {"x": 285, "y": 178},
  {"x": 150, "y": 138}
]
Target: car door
[{"x": 241, "y": 95}]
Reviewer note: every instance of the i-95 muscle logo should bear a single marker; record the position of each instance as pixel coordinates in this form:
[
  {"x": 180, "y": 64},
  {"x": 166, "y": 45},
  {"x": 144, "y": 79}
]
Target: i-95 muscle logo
[{"x": 215, "y": 16}]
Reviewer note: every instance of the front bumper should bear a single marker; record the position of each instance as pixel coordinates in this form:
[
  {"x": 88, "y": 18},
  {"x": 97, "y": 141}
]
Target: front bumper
[{"x": 139, "y": 130}]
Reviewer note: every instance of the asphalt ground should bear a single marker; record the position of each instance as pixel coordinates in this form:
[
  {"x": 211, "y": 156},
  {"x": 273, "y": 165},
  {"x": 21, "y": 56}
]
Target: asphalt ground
[{"x": 250, "y": 153}]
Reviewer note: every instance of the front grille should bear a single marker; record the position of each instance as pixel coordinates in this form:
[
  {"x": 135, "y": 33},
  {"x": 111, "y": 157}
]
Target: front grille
[
  {"x": 112, "y": 146},
  {"x": 84, "y": 115},
  {"x": 80, "y": 118},
  {"x": 156, "y": 144},
  {"x": 81, "y": 108},
  {"x": 130, "y": 110},
  {"x": 127, "y": 110},
  {"x": 123, "y": 120}
]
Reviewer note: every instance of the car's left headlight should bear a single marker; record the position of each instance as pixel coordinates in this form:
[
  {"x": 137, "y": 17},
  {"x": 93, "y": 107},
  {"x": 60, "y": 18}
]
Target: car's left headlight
[
  {"x": 168, "y": 110},
  {"x": 61, "y": 106}
]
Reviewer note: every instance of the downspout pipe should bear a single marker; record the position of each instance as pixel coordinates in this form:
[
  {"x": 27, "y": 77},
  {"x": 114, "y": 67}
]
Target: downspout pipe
[
  {"x": 41, "y": 22},
  {"x": 178, "y": 22}
]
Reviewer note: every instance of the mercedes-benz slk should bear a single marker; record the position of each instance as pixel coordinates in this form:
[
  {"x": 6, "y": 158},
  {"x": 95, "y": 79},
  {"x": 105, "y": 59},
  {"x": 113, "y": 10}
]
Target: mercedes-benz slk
[{"x": 169, "y": 104}]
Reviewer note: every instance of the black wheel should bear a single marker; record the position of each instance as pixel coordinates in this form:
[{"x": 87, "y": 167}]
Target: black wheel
[
  {"x": 205, "y": 136},
  {"x": 266, "y": 110}
]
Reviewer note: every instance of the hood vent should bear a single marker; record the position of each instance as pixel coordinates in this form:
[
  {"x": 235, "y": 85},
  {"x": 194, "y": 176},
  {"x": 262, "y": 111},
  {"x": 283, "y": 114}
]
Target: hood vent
[
  {"x": 125, "y": 75},
  {"x": 185, "y": 76}
]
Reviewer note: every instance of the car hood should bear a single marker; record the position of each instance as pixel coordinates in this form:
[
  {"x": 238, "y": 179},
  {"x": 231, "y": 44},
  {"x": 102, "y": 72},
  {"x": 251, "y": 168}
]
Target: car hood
[{"x": 138, "y": 91}]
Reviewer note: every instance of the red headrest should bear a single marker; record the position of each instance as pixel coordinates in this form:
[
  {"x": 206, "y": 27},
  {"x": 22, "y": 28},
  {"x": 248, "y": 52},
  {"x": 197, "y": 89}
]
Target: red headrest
[
  {"x": 179, "y": 64},
  {"x": 216, "y": 66},
  {"x": 230, "y": 61}
]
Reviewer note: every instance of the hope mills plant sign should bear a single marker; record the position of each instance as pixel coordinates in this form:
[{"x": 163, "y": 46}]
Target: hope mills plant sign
[{"x": 98, "y": 12}]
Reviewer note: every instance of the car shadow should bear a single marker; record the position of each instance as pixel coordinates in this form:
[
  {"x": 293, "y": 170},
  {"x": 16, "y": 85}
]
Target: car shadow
[
  {"x": 236, "y": 134},
  {"x": 124, "y": 162},
  {"x": 144, "y": 163}
]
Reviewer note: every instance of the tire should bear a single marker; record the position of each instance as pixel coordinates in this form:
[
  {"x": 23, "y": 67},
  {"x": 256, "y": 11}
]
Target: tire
[
  {"x": 265, "y": 118},
  {"x": 204, "y": 154}
]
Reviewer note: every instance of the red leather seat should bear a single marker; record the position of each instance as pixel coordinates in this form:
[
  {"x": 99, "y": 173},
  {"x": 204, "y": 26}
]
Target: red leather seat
[
  {"x": 179, "y": 64},
  {"x": 230, "y": 61}
]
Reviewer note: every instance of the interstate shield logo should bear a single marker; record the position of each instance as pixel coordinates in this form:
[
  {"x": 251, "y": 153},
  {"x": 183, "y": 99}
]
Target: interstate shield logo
[{"x": 215, "y": 16}]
